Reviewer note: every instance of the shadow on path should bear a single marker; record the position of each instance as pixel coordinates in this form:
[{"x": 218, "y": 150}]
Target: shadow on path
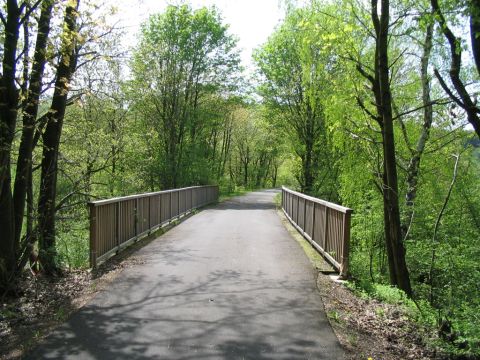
[{"x": 223, "y": 285}]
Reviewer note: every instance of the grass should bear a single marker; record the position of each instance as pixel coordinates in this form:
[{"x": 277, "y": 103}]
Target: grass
[
  {"x": 226, "y": 194},
  {"x": 313, "y": 255},
  {"x": 278, "y": 200},
  {"x": 61, "y": 314},
  {"x": 333, "y": 315}
]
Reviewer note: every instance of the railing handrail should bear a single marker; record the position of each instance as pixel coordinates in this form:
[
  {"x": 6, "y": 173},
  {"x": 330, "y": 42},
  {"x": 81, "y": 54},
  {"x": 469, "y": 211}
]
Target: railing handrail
[
  {"x": 138, "y": 196},
  {"x": 319, "y": 201}
]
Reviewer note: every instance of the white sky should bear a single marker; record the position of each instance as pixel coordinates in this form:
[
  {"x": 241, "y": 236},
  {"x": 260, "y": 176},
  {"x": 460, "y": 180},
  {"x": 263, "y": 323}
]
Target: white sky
[{"x": 252, "y": 21}]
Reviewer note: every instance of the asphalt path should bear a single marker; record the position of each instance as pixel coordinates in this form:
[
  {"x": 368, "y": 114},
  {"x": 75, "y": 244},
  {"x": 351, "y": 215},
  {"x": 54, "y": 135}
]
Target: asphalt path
[{"x": 227, "y": 283}]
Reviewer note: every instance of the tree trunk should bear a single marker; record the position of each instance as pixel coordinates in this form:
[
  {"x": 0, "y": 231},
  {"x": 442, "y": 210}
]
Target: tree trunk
[
  {"x": 391, "y": 185},
  {"x": 475, "y": 31},
  {"x": 30, "y": 111},
  {"x": 8, "y": 117},
  {"x": 245, "y": 168},
  {"x": 51, "y": 143},
  {"x": 464, "y": 100},
  {"x": 414, "y": 164},
  {"x": 308, "y": 163},
  {"x": 388, "y": 243}
]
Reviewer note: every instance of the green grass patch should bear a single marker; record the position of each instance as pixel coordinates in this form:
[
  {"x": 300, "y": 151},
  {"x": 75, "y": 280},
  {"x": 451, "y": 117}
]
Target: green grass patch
[
  {"x": 277, "y": 199},
  {"x": 314, "y": 256},
  {"x": 226, "y": 194}
]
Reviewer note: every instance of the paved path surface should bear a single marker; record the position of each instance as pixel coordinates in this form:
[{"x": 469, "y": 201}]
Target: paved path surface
[{"x": 227, "y": 283}]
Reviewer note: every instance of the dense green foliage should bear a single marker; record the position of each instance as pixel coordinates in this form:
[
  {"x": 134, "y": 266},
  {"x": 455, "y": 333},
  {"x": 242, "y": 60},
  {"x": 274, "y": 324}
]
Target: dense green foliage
[{"x": 178, "y": 113}]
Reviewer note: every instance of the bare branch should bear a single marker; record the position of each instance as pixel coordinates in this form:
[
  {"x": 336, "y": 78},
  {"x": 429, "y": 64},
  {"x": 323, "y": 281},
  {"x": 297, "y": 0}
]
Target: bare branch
[
  {"x": 447, "y": 90},
  {"x": 434, "y": 102},
  {"x": 440, "y": 215},
  {"x": 29, "y": 11},
  {"x": 4, "y": 21},
  {"x": 363, "y": 107}
]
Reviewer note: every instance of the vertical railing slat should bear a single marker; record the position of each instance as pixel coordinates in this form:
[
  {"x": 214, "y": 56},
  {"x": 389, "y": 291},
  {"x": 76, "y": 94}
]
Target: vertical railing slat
[
  {"x": 93, "y": 235},
  {"x": 116, "y": 221},
  {"x": 325, "y": 224}
]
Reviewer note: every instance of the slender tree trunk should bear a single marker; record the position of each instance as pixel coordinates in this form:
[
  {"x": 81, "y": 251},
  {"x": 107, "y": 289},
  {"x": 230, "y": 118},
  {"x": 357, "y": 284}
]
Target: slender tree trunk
[
  {"x": 8, "y": 117},
  {"x": 29, "y": 117},
  {"x": 475, "y": 31},
  {"x": 308, "y": 164},
  {"x": 414, "y": 164},
  {"x": 464, "y": 100},
  {"x": 436, "y": 227},
  {"x": 51, "y": 143},
  {"x": 391, "y": 185},
  {"x": 392, "y": 271},
  {"x": 245, "y": 168}
]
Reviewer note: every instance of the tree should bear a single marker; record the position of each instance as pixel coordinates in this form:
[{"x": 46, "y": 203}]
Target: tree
[
  {"x": 30, "y": 111},
  {"x": 183, "y": 57},
  {"x": 380, "y": 86},
  {"x": 462, "y": 97},
  {"x": 294, "y": 84},
  {"x": 17, "y": 19},
  {"x": 51, "y": 139},
  {"x": 8, "y": 115}
]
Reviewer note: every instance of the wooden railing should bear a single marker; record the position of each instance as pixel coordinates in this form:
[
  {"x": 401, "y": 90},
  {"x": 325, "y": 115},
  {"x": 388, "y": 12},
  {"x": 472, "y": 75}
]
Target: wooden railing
[
  {"x": 116, "y": 223},
  {"x": 324, "y": 224}
]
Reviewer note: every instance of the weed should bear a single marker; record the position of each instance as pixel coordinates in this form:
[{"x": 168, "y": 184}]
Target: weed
[
  {"x": 334, "y": 316},
  {"x": 60, "y": 315},
  {"x": 380, "y": 312},
  {"x": 352, "y": 339}
]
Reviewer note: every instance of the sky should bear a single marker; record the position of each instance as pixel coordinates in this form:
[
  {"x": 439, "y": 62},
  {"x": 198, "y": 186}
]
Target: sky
[{"x": 252, "y": 21}]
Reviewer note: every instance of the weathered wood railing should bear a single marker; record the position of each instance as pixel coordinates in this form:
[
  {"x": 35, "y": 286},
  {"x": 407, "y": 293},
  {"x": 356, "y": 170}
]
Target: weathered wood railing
[
  {"x": 324, "y": 224},
  {"x": 116, "y": 223}
]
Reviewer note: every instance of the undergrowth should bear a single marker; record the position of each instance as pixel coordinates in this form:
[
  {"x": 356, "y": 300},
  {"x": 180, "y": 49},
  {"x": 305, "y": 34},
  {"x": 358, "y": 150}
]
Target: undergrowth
[{"x": 456, "y": 341}]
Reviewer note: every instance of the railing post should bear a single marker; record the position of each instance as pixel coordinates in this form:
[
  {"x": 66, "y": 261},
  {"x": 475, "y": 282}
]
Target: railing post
[
  {"x": 325, "y": 230},
  {"x": 117, "y": 225},
  {"x": 191, "y": 200},
  {"x": 313, "y": 221},
  {"x": 289, "y": 203},
  {"x": 298, "y": 209},
  {"x": 304, "y": 215},
  {"x": 149, "y": 213},
  {"x": 93, "y": 235},
  {"x": 135, "y": 216},
  {"x": 282, "y": 199},
  {"x": 346, "y": 244}
]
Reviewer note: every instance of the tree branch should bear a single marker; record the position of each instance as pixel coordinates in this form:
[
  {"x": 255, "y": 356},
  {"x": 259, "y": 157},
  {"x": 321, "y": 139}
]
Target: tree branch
[
  {"x": 437, "y": 223},
  {"x": 4, "y": 21},
  {"x": 30, "y": 10},
  {"x": 447, "y": 90}
]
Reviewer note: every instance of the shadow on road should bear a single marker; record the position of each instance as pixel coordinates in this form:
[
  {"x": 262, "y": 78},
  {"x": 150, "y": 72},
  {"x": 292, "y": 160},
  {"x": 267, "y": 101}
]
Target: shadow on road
[
  {"x": 112, "y": 332},
  {"x": 223, "y": 285}
]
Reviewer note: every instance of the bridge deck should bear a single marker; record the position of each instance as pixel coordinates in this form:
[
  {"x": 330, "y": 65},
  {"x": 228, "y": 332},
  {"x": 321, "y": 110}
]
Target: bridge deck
[{"x": 227, "y": 283}]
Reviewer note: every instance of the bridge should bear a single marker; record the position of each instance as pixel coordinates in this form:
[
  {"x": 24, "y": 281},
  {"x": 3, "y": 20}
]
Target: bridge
[{"x": 227, "y": 283}]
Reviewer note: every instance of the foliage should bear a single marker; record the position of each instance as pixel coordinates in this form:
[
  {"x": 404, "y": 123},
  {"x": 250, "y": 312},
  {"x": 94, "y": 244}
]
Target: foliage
[{"x": 181, "y": 63}]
